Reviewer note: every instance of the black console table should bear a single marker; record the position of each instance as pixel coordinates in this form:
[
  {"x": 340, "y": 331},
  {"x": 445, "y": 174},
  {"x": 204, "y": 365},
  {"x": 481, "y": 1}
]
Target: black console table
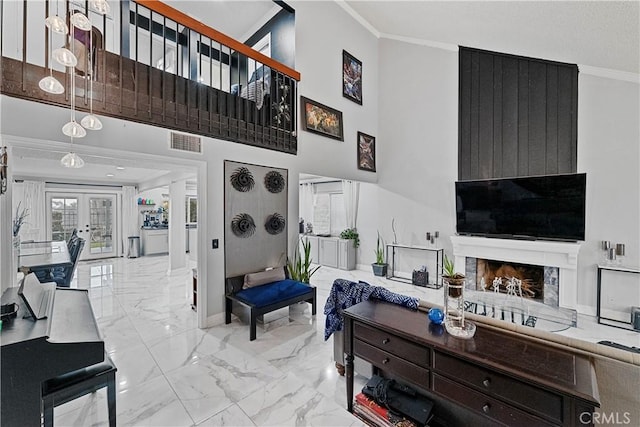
[
  {"x": 392, "y": 248},
  {"x": 607, "y": 320},
  {"x": 494, "y": 378}
]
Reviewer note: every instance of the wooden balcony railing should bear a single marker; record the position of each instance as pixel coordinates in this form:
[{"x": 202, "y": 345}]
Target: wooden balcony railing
[{"x": 156, "y": 65}]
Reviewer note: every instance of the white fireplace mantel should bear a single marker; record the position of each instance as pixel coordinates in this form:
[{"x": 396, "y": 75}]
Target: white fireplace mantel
[{"x": 563, "y": 255}]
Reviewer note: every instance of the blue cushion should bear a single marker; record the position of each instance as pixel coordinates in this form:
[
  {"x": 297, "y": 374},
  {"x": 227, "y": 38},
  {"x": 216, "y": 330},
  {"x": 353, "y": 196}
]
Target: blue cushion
[{"x": 271, "y": 293}]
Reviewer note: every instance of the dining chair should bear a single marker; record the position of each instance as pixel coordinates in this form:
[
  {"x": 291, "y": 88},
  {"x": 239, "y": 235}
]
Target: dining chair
[{"x": 64, "y": 276}]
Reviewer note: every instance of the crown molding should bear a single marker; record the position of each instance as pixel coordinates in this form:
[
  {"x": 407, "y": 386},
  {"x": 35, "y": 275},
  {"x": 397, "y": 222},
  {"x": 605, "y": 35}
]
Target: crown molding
[
  {"x": 421, "y": 42},
  {"x": 610, "y": 74},
  {"x": 358, "y": 18}
]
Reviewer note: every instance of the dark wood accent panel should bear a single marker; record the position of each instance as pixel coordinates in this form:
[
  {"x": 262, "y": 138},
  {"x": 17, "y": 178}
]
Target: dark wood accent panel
[
  {"x": 174, "y": 102},
  {"x": 517, "y": 116}
]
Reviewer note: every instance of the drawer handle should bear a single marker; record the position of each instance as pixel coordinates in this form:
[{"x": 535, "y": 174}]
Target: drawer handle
[
  {"x": 486, "y": 408},
  {"x": 385, "y": 341},
  {"x": 486, "y": 382},
  {"x": 385, "y": 360}
]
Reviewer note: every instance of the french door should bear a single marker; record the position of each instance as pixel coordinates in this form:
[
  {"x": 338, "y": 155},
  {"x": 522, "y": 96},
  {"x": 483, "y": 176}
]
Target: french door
[{"x": 92, "y": 214}]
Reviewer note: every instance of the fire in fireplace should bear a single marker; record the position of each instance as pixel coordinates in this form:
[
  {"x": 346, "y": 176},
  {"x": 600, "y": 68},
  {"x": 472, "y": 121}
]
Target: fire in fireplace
[{"x": 498, "y": 276}]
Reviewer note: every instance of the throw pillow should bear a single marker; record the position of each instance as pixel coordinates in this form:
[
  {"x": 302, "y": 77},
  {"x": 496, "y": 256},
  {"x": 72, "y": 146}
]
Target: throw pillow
[{"x": 263, "y": 277}]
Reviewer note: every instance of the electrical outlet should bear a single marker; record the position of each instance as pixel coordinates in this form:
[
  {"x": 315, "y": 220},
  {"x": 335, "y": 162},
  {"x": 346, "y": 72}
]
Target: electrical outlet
[{"x": 215, "y": 244}]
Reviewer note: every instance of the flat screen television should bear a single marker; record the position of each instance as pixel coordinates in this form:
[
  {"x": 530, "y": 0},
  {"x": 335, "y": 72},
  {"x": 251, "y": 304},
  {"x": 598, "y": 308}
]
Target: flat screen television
[{"x": 550, "y": 207}]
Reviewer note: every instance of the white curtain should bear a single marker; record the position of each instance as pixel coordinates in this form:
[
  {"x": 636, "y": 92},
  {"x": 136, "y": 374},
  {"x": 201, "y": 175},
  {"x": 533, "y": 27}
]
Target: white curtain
[
  {"x": 33, "y": 199},
  {"x": 129, "y": 216},
  {"x": 306, "y": 202},
  {"x": 350, "y": 193}
]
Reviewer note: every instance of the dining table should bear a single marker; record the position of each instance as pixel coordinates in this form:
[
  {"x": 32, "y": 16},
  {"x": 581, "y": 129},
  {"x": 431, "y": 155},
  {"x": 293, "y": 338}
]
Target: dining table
[{"x": 43, "y": 255}]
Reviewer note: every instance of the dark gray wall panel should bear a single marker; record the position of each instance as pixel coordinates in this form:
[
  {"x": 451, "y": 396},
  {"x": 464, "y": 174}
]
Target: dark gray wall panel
[{"x": 518, "y": 116}]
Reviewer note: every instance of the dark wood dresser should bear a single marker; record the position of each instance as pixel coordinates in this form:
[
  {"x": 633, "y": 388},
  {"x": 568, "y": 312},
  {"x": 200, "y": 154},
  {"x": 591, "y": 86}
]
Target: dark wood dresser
[{"x": 494, "y": 378}]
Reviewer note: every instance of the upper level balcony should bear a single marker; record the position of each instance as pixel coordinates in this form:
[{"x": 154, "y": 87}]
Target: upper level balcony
[{"x": 147, "y": 62}]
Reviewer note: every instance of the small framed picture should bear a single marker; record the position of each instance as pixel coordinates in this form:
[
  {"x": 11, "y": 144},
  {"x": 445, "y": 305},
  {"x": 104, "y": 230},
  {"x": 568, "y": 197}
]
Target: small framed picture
[
  {"x": 366, "y": 152},
  {"x": 320, "y": 119},
  {"x": 351, "y": 77}
]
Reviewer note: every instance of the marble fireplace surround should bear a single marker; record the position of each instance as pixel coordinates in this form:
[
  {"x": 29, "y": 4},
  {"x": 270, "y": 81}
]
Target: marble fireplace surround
[{"x": 563, "y": 255}]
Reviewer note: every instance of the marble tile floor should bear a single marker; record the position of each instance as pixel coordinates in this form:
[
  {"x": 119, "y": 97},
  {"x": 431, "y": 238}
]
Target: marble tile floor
[{"x": 170, "y": 373}]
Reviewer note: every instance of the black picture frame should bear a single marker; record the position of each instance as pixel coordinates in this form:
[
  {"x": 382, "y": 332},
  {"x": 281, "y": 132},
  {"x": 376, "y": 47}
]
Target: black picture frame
[
  {"x": 366, "y": 152},
  {"x": 320, "y": 119},
  {"x": 351, "y": 77}
]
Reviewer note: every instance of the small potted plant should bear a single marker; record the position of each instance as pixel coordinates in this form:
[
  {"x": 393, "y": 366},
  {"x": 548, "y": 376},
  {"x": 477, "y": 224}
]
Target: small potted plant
[
  {"x": 300, "y": 266},
  {"x": 451, "y": 277},
  {"x": 380, "y": 266},
  {"x": 351, "y": 234}
]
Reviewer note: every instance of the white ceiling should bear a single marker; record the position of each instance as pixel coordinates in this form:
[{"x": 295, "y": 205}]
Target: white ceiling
[
  {"x": 595, "y": 33},
  {"x": 601, "y": 34}
]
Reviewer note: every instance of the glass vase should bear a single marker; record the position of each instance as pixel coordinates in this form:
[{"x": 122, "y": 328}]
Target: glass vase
[{"x": 454, "y": 320}]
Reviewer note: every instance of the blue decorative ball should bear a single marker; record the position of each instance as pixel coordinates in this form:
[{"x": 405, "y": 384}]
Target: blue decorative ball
[{"x": 436, "y": 316}]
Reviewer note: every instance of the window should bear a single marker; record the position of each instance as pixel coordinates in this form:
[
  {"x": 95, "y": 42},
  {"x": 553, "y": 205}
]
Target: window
[
  {"x": 192, "y": 210},
  {"x": 328, "y": 213}
]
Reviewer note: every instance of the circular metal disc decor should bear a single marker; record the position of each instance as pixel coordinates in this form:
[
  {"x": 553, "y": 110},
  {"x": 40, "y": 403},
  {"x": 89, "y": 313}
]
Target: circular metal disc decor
[
  {"x": 242, "y": 179},
  {"x": 274, "y": 181},
  {"x": 242, "y": 225},
  {"x": 275, "y": 224}
]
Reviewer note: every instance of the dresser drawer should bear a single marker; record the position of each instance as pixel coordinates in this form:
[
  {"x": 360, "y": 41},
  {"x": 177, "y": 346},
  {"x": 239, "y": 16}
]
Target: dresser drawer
[
  {"x": 536, "y": 400},
  {"x": 394, "y": 345},
  {"x": 392, "y": 364},
  {"x": 492, "y": 408}
]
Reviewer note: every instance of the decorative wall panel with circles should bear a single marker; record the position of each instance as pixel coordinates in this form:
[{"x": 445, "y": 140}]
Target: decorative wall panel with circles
[
  {"x": 243, "y": 225},
  {"x": 242, "y": 179},
  {"x": 275, "y": 224},
  {"x": 274, "y": 182}
]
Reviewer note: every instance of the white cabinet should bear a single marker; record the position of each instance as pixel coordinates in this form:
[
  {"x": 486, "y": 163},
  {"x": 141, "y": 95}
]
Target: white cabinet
[
  {"x": 155, "y": 241},
  {"x": 329, "y": 252},
  {"x": 346, "y": 255}
]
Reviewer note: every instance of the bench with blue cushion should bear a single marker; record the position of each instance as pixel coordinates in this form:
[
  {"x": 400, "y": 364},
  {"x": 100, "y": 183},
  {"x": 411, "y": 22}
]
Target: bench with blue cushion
[{"x": 266, "y": 298}]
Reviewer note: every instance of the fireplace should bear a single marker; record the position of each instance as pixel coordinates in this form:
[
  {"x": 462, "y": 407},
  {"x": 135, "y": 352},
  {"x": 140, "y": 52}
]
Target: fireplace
[{"x": 559, "y": 261}]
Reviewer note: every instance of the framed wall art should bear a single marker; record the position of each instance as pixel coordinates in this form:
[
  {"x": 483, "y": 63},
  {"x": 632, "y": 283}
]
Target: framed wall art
[
  {"x": 320, "y": 119},
  {"x": 351, "y": 77},
  {"x": 366, "y": 152}
]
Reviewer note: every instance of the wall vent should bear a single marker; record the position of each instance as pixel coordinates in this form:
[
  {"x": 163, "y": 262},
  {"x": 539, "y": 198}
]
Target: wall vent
[{"x": 184, "y": 142}]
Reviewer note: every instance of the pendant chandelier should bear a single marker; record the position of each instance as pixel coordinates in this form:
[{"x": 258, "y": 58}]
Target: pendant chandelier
[{"x": 64, "y": 56}]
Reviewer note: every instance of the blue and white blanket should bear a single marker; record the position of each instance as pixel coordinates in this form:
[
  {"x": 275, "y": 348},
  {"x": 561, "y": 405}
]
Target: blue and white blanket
[{"x": 345, "y": 293}]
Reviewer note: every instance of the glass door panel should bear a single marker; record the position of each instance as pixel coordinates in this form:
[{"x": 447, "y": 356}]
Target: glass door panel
[
  {"x": 64, "y": 217},
  {"x": 101, "y": 223},
  {"x": 92, "y": 214}
]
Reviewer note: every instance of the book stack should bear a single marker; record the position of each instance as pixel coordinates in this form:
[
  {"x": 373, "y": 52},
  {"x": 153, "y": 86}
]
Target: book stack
[{"x": 377, "y": 416}]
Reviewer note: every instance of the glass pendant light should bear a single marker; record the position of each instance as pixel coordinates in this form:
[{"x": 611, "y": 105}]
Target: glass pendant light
[
  {"x": 72, "y": 160},
  {"x": 80, "y": 21},
  {"x": 73, "y": 129},
  {"x": 65, "y": 57},
  {"x": 91, "y": 121},
  {"x": 51, "y": 85},
  {"x": 56, "y": 24},
  {"x": 100, "y": 6}
]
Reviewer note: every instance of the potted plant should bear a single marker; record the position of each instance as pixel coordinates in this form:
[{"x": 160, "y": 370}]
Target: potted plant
[
  {"x": 451, "y": 277},
  {"x": 380, "y": 266},
  {"x": 299, "y": 267},
  {"x": 351, "y": 234}
]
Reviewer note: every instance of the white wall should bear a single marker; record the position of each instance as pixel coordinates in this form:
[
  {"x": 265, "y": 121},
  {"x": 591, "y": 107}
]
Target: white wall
[
  {"x": 417, "y": 158},
  {"x": 323, "y": 30},
  {"x": 609, "y": 152}
]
